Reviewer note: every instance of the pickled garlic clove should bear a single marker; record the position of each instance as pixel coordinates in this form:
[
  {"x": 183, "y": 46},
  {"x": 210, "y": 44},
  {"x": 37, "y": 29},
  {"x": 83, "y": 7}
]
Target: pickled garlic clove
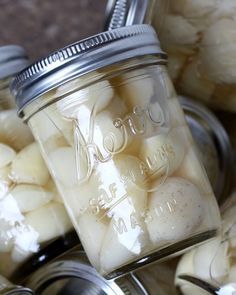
[
  {"x": 5, "y": 180},
  {"x": 49, "y": 125},
  {"x": 51, "y": 187},
  {"x": 177, "y": 30},
  {"x": 30, "y": 197},
  {"x": 53, "y": 214},
  {"x": 113, "y": 253},
  {"x": 92, "y": 233},
  {"x": 176, "y": 63},
  {"x": 193, "y": 9},
  {"x": 137, "y": 89},
  {"x": 64, "y": 165},
  {"x": 107, "y": 137},
  {"x": 13, "y": 131},
  {"x": 224, "y": 9},
  {"x": 185, "y": 266},
  {"x": 128, "y": 226},
  {"x": 211, "y": 261},
  {"x": 4, "y": 175},
  {"x": 193, "y": 82},
  {"x": 176, "y": 209},
  {"x": 28, "y": 166},
  {"x": 93, "y": 98},
  {"x": 7, "y": 154},
  {"x": 117, "y": 107},
  {"x": 217, "y": 54},
  {"x": 192, "y": 170},
  {"x": 163, "y": 154},
  {"x": 6, "y": 236}
]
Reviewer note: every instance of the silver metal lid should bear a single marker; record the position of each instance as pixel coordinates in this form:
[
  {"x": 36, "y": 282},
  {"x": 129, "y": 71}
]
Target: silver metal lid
[
  {"x": 74, "y": 275},
  {"x": 13, "y": 59},
  {"x": 125, "y": 13},
  {"x": 83, "y": 57},
  {"x": 213, "y": 144}
]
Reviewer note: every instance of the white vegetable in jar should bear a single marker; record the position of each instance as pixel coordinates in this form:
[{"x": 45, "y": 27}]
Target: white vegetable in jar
[
  {"x": 13, "y": 131},
  {"x": 193, "y": 82},
  {"x": 163, "y": 153},
  {"x": 53, "y": 214},
  {"x": 30, "y": 197},
  {"x": 28, "y": 166},
  {"x": 7, "y": 154},
  {"x": 202, "y": 68},
  {"x": 217, "y": 54},
  {"x": 176, "y": 208}
]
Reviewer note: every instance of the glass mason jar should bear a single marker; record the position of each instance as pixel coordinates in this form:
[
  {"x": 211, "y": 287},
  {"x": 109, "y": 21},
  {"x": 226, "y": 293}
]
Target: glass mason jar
[
  {"x": 29, "y": 201},
  {"x": 7, "y": 288},
  {"x": 115, "y": 139},
  {"x": 72, "y": 274},
  {"x": 13, "y": 59}
]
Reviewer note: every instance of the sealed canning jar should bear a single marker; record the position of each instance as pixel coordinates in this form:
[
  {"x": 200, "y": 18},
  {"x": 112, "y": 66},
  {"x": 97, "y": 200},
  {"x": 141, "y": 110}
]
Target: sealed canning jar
[
  {"x": 29, "y": 201},
  {"x": 13, "y": 59},
  {"x": 116, "y": 142},
  {"x": 7, "y": 288},
  {"x": 72, "y": 274}
]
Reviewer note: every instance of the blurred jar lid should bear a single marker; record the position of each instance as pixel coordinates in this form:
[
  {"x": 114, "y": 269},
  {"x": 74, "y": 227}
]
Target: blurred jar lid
[
  {"x": 13, "y": 59},
  {"x": 72, "y": 274}
]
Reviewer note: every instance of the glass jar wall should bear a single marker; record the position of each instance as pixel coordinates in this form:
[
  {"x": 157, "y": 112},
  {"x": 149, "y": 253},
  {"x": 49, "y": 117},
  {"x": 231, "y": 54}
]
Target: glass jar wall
[{"x": 120, "y": 151}]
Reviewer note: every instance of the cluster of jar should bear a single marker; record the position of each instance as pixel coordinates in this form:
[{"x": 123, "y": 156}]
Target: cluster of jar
[
  {"x": 125, "y": 165},
  {"x": 199, "y": 37},
  {"x": 31, "y": 211},
  {"x": 213, "y": 262}
]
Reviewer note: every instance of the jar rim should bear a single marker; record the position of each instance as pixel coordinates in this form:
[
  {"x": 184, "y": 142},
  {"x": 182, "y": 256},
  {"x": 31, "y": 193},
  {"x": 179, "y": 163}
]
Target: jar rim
[{"x": 83, "y": 57}]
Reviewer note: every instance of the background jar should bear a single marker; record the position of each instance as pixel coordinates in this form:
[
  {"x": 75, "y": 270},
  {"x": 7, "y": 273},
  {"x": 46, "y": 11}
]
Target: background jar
[
  {"x": 32, "y": 214},
  {"x": 29, "y": 201},
  {"x": 213, "y": 262},
  {"x": 118, "y": 146},
  {"x": 13, "y": 59},
  {"x": 199, "y": 40}
]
